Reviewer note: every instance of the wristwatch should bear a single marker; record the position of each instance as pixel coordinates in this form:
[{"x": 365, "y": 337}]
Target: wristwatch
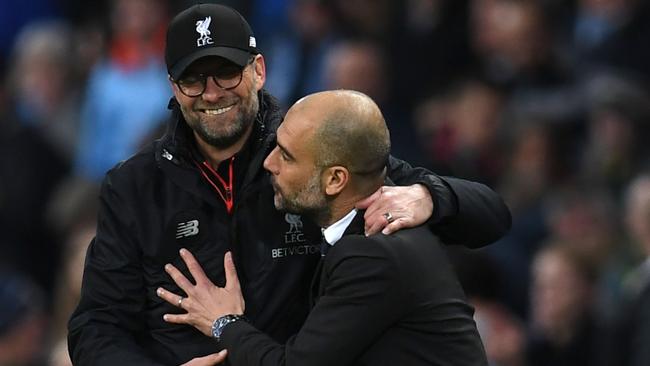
[{"x": 220, "y": 323}]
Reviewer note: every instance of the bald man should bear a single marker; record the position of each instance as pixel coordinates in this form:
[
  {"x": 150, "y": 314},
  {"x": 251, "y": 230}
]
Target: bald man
[{"x": 379, "y": 299}]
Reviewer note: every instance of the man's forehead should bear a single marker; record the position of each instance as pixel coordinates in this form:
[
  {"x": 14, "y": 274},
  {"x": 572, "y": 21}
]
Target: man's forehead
[
  {"x": 283, "y": 136},
  {"x": 293, "y": 132}
]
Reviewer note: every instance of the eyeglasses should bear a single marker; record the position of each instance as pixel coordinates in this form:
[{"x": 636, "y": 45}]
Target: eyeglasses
[{"x": 227, "y": 77}]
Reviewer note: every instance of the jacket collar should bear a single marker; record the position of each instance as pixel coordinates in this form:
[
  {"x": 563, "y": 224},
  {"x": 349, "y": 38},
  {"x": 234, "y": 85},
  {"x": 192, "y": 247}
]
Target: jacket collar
[
  {"x": 173, "y": 152},
  {"x": 335, "y": 231},
  {"x": 357, "y": 226}
]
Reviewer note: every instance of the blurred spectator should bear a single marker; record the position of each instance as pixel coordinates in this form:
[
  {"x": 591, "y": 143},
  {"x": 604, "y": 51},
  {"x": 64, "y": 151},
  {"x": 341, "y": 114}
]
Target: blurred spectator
[
  {"x": 430, "y": 49},
  {"x": 502, "y": 332},
  {"x": 617, "y": 125},
  {"x": 373, "y": 19},
  {"x": 28, "y": 243},
  {"x": 612, "y": 34},
  {"x": 127, "y": 92},
  {"x": 513, "y": 41},
  {"x": 15, "y": 14},
  {"x": 68, "y": 290},
  {"x": 532, "y": 168},
  {"x": 361, "y": 65},
  {"x": 72, "y": 211},
  {"x": 460, "y": 129},
  {"x": 631, "y": 333},
  {"x": 358, "y": 65},
  {"x": 296, "y": 54},
  {"x": 43, "y": 86},
  {"x": 22, "y": 321},
  {"x": 503, "y": 335},
  {"x": 534, "y": 164},
  {"x": 563, "y": 332},
  {"x": 587, "y": 222}
]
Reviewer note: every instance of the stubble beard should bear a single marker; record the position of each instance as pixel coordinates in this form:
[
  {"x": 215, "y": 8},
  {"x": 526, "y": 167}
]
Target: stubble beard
[
  {"x": 309, "y": 201},
  {"x": 226, "y": 137}
]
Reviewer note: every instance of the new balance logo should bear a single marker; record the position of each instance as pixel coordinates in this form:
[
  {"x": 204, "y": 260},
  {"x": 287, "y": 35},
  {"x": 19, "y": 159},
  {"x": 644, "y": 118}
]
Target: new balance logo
[{"x": 185, "y": 229}]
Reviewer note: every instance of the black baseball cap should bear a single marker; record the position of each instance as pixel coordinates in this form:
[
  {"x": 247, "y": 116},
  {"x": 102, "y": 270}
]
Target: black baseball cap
[{"x": 208, "y": 30}]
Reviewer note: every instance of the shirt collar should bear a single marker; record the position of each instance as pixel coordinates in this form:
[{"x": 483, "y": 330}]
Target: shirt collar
[{"x": 334, "y": 232}]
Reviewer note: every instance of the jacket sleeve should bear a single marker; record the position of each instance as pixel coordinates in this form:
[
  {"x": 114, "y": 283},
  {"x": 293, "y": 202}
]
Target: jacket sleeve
[
  {"x": 464, "y": 212},
  {"x": 353, "y": 311},
  {"x": 102, "y": 329}
]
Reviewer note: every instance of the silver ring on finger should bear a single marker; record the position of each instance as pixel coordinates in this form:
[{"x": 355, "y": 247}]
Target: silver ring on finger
[
  {"x": 389, "y": 217},
  {"x": 180, "y": 302}
]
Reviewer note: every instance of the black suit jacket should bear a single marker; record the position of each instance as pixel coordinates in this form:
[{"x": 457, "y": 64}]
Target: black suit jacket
[{"x": 382, "y": 300}]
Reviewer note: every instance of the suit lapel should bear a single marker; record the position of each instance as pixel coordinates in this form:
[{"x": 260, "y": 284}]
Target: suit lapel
[
  {"x": 318, "y": 282},
  {"x": 314, "y": 292},
  {"x": 357, "y": 226}
]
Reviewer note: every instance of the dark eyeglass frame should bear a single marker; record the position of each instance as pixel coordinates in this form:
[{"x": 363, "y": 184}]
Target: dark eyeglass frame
[{"x": 202, "y": 80}]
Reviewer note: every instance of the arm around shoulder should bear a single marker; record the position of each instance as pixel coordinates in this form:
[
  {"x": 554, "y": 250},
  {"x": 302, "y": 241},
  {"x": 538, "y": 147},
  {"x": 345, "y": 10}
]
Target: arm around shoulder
[
  {"x": 480, "y": 216},
  {"x": 464, "y": 212}
]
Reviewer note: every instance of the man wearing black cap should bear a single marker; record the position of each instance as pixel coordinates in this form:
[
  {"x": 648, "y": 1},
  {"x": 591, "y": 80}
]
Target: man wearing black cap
[{"x": 202, "y": 187}]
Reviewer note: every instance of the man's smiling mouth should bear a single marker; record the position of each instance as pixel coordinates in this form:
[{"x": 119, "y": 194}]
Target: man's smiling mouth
[{"x": 214, "y": 112}]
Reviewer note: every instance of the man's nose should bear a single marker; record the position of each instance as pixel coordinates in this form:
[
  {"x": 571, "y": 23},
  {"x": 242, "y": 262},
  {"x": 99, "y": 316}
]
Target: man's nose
[
  {"x": 212, "y": 91},
  {"x": 268, "y": 162}
]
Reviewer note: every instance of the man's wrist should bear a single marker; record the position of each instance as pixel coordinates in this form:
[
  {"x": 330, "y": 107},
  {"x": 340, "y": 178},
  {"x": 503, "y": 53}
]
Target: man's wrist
[{"x": 220, "y": 324}]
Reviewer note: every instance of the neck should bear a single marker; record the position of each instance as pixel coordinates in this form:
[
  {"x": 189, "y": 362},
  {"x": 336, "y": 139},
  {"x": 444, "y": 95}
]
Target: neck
[
  {"x": 341, "y": 204},
  {"x": 215, "y": 155},
  {"x": 340, "y": 207}
]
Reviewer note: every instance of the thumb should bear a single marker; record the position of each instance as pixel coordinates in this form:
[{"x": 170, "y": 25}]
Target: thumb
[
  {"x": 217, "y": 358},
  {"x": 209, "y": 360},
  {"x": 232, "y": 281}
]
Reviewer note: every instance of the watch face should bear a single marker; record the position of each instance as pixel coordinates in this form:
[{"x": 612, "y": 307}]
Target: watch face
[
  {"x": 217, "y": 327},
  {"x": 219, "y": 324}
]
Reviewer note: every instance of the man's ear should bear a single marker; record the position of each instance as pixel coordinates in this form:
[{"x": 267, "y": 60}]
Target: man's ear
[
  {"x": 260, "y": 71},
  {"x": 174, "y": 87},
  {"x": 336, "y": 178}
]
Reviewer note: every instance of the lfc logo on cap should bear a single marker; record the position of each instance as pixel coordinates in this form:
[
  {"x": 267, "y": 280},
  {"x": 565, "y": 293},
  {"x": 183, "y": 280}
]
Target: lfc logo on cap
[{"x": 204, "y": 33}]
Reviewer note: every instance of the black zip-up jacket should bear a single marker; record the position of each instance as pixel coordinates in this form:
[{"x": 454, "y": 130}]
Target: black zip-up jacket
[{"x": 157, "y": 202}]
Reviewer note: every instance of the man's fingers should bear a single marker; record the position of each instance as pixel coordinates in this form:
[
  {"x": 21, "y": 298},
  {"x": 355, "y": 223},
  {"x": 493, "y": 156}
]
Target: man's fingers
[
  {"x": 209, "y": 360},
  {"x": 194, "y": 266},
  {"x": 232, "y": 281},
  {"x": 366, "y": 202},
  {"x": 395, "y": 226},
  {"x": 374, "y": 226},
  {"x": 177, "y": 318},
  {"x": 170, "y": 297},
  {"x": 178, "y": 277},
  {"x": 218, "y": 357}
]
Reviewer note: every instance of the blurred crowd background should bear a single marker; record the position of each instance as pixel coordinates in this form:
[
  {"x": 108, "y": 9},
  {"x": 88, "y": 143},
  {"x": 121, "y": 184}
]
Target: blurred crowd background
[{"x": 546, "y": 101}]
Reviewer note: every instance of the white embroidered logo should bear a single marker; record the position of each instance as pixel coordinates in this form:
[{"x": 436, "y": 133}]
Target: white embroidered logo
[
  {"x": 295, "y": 224},
  {"x": 204, "y": 33},
  {"x": 185, "y": 229},
  {"x": 167, "y": 155},
  {"x": 296, "y": 238},
  {"x": 295, "y": 234}
]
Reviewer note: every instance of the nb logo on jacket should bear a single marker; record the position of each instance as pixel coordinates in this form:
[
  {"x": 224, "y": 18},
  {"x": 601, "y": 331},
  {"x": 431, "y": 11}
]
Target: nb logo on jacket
[{"x": 185, "y": 229}]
